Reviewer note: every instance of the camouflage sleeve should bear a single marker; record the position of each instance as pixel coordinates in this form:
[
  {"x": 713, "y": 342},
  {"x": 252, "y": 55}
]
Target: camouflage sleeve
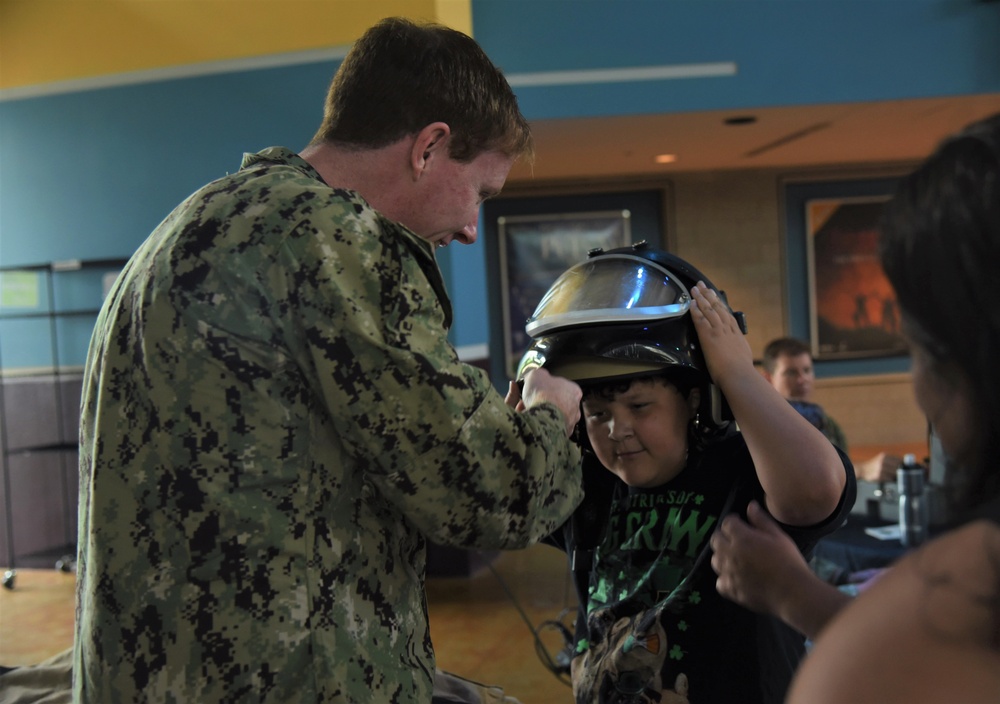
[{"x": 431, "y": 433}]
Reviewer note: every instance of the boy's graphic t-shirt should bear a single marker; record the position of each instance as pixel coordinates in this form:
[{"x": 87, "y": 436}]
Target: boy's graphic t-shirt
[{"x": 655, "y": 622}]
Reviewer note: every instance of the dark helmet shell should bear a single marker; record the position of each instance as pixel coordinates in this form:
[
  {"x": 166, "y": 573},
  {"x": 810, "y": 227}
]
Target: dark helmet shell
[{"x": 620, "y": 313}]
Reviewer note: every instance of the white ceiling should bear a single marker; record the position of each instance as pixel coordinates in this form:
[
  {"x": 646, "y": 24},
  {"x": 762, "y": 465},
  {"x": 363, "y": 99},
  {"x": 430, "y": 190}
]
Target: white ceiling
[{"x": 784, "y": 138}]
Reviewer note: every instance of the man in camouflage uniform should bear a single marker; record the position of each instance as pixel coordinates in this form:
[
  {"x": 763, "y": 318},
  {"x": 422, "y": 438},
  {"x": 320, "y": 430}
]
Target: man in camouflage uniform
[{"x": 274, "y": 422}]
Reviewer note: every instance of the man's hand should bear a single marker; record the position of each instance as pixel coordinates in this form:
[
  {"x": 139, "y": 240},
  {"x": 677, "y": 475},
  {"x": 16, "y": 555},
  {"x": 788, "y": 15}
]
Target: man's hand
[
  {"x": 513, "y": 397},
  {"x": 542, "y": 387}
]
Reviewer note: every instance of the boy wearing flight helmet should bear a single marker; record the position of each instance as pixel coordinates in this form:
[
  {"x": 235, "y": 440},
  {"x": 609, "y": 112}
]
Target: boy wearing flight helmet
[{"x": 653, "y": 345}]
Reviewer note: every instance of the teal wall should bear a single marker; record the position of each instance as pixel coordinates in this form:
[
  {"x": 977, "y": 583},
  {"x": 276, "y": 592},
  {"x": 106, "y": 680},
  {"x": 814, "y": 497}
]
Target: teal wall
[
  {"x": 788, "y": 52},
  {"x": 89, "y": 174}
]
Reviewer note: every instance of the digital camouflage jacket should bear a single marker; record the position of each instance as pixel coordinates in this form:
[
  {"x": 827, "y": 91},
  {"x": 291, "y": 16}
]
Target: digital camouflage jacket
[{"x": 273, "y": 424}]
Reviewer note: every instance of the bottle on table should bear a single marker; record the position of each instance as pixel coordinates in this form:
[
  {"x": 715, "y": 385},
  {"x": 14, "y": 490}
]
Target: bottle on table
[{"x": 913, "y": 515}]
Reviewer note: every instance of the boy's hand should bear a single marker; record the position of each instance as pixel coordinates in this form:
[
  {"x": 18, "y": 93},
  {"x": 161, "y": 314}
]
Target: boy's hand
[{"x": 724, "y": 345}]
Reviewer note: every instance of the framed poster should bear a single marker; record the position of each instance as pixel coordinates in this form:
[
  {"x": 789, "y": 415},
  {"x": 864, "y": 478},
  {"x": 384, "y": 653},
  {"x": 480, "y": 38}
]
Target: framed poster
[
  {"x": 535, "y": 250},
  {"x": 853, "y": 311}
]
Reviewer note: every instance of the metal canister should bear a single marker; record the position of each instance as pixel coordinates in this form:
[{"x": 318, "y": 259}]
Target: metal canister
[{"x": 913, "y": 516}]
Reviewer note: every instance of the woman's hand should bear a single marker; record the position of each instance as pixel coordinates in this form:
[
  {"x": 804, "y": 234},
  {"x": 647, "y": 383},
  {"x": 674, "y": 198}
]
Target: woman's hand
[
  {"x": 755, "y": 560},
  {"x": 761, "y": 568}
]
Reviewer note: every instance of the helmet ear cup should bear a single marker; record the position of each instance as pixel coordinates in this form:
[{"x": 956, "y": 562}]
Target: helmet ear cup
[{"x": 714, "y": 417}]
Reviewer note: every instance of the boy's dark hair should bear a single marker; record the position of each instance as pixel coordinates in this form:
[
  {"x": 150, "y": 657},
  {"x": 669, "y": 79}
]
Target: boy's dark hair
[
  {"x": 607, "y": 389},
  {"x": 790, "y": 346},
  {"x": 401, "y": 76}
]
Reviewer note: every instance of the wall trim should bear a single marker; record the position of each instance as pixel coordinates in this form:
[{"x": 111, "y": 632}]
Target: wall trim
[
  {"x": 622, "y": 75},
  {"x": 170, "y": 73},
  {"x": 864, "y": 380},
  {"x": 472, "y": 353}
]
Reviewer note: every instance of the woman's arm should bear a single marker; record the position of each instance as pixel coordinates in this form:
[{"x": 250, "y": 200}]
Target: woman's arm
[
  {"x": 761, "y": 568},
  {"x": 927, "y": 631}
]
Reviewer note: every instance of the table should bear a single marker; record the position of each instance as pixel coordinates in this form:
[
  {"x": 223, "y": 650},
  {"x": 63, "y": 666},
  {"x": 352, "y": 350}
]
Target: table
[{"x": 853, "y": 549}]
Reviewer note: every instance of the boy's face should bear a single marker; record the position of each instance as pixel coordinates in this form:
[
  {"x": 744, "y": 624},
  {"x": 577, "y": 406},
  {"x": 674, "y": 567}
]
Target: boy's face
[{"x": 640, "y": 434}]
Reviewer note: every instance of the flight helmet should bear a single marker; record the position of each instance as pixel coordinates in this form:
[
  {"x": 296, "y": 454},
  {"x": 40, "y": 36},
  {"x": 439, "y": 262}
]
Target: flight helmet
[{"x": 624, "y": 313}]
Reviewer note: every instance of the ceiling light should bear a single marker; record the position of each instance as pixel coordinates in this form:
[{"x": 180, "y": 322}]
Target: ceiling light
[{"x": 665, "y": 158}]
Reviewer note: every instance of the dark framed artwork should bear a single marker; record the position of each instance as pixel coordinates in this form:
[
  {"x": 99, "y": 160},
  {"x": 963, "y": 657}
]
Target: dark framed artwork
[
  {"x": 535, "y": 250},
  {"x": 853, "y": 311}
]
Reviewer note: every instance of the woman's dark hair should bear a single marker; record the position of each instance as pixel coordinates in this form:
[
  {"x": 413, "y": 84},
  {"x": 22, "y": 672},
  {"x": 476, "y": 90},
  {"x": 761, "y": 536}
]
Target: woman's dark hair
[{"x": 940, "y": 249}]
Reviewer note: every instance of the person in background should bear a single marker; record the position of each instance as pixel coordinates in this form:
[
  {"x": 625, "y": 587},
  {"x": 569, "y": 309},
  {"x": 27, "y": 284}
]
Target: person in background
[
  {"x": 788, "y": 365},
  {"x": 274, "y": 423},
  {"x": 659, "y": 476},
  {"x": 928, "y": 629}
]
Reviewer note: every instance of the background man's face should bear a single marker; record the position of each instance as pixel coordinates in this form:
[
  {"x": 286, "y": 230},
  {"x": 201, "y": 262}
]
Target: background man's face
[{"x": 793, "y": 376}]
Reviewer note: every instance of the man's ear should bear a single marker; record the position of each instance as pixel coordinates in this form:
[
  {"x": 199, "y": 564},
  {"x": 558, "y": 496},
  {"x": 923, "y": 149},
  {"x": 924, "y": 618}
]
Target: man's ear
[
  {"x": 694, "y": 401},
  {"x": 431, "y": 142}
]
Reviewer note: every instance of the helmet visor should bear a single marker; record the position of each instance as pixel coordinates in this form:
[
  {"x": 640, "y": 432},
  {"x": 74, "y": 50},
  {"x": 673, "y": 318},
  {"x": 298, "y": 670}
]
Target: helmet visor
[{"x": 612, "y": 288}]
